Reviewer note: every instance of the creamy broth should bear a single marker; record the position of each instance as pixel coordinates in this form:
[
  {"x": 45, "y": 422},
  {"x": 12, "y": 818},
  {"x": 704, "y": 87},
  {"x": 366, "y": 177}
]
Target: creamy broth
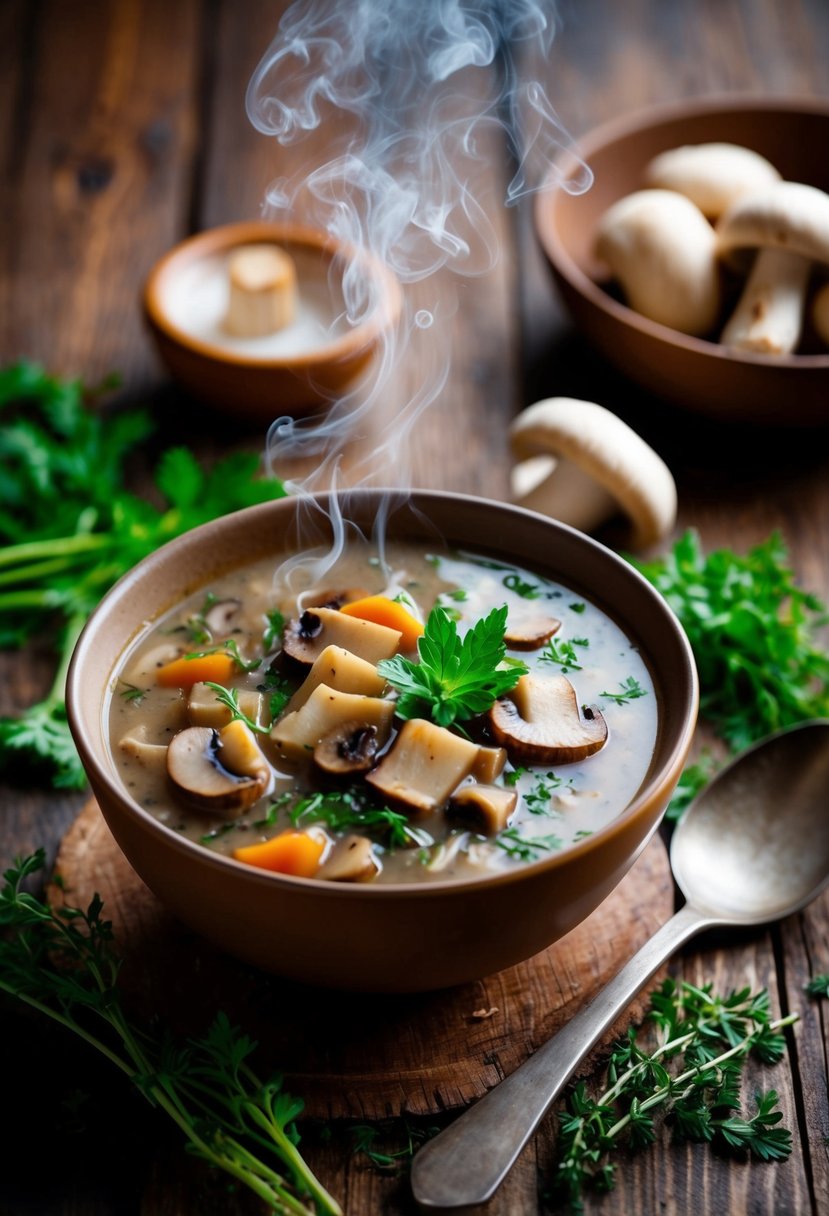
[{"x": 556, "y": 806}]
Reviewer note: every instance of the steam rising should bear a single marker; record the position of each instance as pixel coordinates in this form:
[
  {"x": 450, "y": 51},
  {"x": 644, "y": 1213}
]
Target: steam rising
[{"x": 398, "y": 102}]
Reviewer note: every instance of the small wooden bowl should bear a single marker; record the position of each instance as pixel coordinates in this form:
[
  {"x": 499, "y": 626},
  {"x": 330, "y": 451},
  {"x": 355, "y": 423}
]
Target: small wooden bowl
[
  {"x": 235, "y": 375},
  {"x": 701, "y": 375}
]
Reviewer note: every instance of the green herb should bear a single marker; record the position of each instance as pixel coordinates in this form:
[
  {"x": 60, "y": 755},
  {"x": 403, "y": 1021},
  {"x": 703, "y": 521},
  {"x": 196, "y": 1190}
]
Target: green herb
[
  {"x": 131, "y": 692},
  {"x": 528, "y": 591},
  {"x": 515, "y": 776},
  {"x": 710, "y": 1038},
  {"x": 69, "y": 529},
  {"x": 752, "y": 630},
  {"x": 196, "y": 625},
  {"x": 579, "y": 607},
  {"x": 279, "y": 688},
  {"x": 526, "y": 848},
  {"x": 229, "y": 697},
  {"x": 393, "y": 1160},
  {"x": 459, "y": 595},
  {"x": 818, "y": 985},
  {"x": 454, "y": 679},
  {"x": 344, "y": 809},
  {"x": 538, "y": 799},
  {"x": 231, "y": 648},
  {"x": 63, "y": 963},
  {"x": 562, "y": 653},
  {"x": 273, "y": 630},
  {"x": 631, "y": 691}
]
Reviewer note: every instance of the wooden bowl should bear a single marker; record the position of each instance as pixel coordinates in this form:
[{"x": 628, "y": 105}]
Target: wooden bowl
[
  {"x": 691, "y": 372},
  {"x": 392, "y": 938},
  {"x": 234, "y": 375}
]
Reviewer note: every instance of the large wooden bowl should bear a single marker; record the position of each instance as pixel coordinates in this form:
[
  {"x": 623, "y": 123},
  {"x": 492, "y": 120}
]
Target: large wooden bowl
[
  {"x": 380, "y": 937},
  {"x": 700, "y": 375}
]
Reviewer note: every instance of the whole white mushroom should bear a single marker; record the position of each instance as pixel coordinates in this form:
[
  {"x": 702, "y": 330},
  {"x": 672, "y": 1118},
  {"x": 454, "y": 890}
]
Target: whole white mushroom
[{"x": 712, "y": 175}]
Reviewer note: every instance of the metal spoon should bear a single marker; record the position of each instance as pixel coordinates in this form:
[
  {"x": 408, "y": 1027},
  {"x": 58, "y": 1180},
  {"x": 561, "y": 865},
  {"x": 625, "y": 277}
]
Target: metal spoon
[{"x": 753, "y": 848}]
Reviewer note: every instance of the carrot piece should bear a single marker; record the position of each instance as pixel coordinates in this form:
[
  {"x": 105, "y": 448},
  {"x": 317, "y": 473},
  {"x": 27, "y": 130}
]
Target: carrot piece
[
  {"x": 288, "y": 853},
  {"x": 383, "y": 611},
  {"x": 184, "y": 673}
]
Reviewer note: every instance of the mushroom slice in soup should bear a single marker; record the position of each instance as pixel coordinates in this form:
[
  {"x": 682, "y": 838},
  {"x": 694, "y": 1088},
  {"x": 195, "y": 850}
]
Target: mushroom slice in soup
[
  {"x": 350, "y": 748},
  {"x": 352, "y": 859},
  {"x": 484, "y": 808},
  {"x": 199, "y": 776},
  {"x": 339, "y": 669},
  {"x": 307, "y": 636},
  {"x": 539, "y": 722},
  {"x": 531, "y": 633},
  {"x": 423, "y": 765},
  {"x": 297, "y": 734}
]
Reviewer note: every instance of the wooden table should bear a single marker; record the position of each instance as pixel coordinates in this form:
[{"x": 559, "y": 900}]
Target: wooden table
[{"x": 123, "y": 129}]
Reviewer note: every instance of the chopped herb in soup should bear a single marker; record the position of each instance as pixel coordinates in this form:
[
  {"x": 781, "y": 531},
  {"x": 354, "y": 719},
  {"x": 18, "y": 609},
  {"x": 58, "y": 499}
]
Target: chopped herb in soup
[{"x": 432, "y": 717}]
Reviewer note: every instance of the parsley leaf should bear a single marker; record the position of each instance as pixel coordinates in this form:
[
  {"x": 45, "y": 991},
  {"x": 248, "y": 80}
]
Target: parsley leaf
[
  {"x": 818, "y": 985},
  {"x": 455, "y": 679},
  {"x": 631, "y": 690}
]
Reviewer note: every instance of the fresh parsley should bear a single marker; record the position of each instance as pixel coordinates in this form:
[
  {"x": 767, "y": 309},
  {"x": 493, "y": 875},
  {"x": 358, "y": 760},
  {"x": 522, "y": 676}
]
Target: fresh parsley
[
  {"x": 563, "y": 654},
  {"x": 455, "y": 679},
  {"x": 389, "y": 1159},
  {"x": 528, "y": 591},
  {"x": 709, "y": 1038},
  {"x": 818, "y": 985},
  {"x": 69, "y": 528},
  {"x": 343, "y": 810},
  {"x": 64, "y": 964},
  {"x": 526, "y": 848},
  {"x": 273, "y": 630},
  {"x": 631, "y": 691}
]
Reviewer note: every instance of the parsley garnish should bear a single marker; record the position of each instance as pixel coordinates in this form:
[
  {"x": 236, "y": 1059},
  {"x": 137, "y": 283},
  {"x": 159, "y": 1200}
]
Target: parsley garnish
[
  {"x": 631, "y": 691},
  {"x": 455, "y": 679},
  {"x": 229, "y": 697},
  {"x": 131, "y": 692},
  {"x": 341, "y": 810},
  {"x": 562, "y": 653},
  {"x": 64, "y": 964},
  {"x": 273, "y": 630},
  {"x": 818, "y": 985},
  {"x": 528, "y": 591},
  {"x": 538, "y": 799},
  {"x": 526, "y": 848}
]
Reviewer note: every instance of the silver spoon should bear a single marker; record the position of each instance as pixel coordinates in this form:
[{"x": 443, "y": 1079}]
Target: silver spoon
[{"x": 753, "y": 848}]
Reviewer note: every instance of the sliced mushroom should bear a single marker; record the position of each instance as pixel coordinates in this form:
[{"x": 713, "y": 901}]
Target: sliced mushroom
[
  {"x": 147, "y": 664},
  {"x": 662, "y": 250},
  {"x": 349, "y": 748},
  {"x": 423, "y": 765},
  {"x": 307, "y": 636},
  {"x": 297, "y": 734},
  {"x": 219, "y": 618},
  {"x": 597, "y": 467},
  {"x": 531, "y": 633},
  {"x": 240, "y": 753},
  {"x": 352, "y": 859},
  {"x": 489, "y": 763},
  {"x": 202, "y": 780},
  {"x": 539, "y": 723},
  {"x": 137, "y": 746},
  {"x": 205, "y": 709},
  {"x": 483, "y": 808},
  {"x": 340, "y": 669}
]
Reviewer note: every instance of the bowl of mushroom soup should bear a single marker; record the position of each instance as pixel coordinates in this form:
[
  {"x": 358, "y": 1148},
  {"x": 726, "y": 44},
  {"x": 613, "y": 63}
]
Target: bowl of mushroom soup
[
  {"x": 697, "y": 261},
  {"x": 397, "y": 768}
]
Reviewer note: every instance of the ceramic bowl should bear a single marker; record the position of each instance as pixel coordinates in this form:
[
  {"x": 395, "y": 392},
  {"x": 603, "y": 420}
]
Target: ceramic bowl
[
  {"x": 691, "y": 372},
  {"x": 391, "y": 938},
  {"x": 184, "y": 302}
]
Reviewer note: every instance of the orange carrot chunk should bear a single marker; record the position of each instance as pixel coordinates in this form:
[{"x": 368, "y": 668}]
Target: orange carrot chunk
[
  {"x": 383, "y": 611},
  {"x": 184, "y": 673},
  {"x": 295, "y": 853}
]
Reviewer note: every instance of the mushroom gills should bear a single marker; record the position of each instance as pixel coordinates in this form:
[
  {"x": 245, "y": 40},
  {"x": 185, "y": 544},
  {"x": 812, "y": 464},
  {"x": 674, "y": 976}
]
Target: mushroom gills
[
  {"x": 297, "y": 734},
  {"x": 539, "y": 722},
  {"x": 423, "y": 766},
  {"x": 201, "y": 779},
  {"x": 349, "y": 748},
  {"x": 339, "y": 669},
  {"x": 485, "y": 809},
  {"x": 307, "y": 636},
  {"x": 352, "y": 859}
]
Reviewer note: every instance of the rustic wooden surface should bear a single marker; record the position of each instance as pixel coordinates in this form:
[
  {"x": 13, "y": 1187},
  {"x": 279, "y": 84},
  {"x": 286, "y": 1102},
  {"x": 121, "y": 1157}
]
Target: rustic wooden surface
[
  {"x": 419, "y": 1054},
  {"x": 123, "y": 129}
]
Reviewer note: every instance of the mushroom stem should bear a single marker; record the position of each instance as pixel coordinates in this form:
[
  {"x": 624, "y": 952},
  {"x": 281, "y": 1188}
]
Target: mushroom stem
[
  {"x": 769, "y": 316},
  {"x": 566, "y": 493}
]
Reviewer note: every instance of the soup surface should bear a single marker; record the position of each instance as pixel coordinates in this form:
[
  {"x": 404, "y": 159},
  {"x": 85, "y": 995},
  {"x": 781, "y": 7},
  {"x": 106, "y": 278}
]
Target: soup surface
[{"x": 228, "y": 726}]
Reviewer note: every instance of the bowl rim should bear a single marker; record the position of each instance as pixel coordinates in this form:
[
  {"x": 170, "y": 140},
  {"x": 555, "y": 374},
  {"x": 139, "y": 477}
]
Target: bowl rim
[
  {"x": 83, "y": 657},
  {"x": 609, "y": 132},
  {"x": 247, "y": 232}
]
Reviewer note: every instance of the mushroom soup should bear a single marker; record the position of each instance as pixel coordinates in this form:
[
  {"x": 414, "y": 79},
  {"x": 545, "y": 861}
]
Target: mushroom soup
[{"x": 325, "y": 734}]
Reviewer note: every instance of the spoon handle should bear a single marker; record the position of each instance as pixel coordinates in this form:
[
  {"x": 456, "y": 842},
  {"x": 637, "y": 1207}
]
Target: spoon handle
[{"x": 469, "y": 1159}]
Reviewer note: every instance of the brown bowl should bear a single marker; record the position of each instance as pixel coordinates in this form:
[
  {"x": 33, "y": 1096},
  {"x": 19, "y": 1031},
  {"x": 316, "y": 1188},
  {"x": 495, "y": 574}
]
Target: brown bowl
[
  {"x": 229, "y": 377},
  {"x": 392, "y": 938},
  {"x": 692, "y": 372}
]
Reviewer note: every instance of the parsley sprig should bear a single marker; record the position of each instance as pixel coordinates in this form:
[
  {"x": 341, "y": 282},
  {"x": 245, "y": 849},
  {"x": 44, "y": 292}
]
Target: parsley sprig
[
  {"x": 64, "y": 964},
  {"x": 710, "y": 1038},
  {"x": 69, "y": 528},
  {"x": 455, "y": 679},
  {"x": 342, "y": 810}
]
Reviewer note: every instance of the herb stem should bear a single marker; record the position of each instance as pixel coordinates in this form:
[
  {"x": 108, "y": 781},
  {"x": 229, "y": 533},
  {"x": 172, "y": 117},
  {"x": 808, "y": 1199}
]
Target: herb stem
[{"x": 64, "y": 546}]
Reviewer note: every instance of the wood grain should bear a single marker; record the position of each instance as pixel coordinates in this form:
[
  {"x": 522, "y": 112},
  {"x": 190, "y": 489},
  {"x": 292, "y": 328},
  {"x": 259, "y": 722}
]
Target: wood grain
[{"x": 421, "y": 1054}]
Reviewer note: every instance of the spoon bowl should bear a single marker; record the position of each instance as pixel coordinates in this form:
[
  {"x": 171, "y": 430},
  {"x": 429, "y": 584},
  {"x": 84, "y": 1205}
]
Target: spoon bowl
[{"x": 752, "y": 848}]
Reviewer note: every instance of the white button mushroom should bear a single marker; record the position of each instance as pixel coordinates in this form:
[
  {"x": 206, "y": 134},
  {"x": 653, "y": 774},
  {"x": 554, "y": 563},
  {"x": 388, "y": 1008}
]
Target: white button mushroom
[
  {"x": 663, "y": 252},
  {"x": 788, "y": 222},
  {"x": 596, "y": 466},
  {"x": 711, "y": 175},
  {"x": 262, "y": 291},
  {"x": 820, "y": 313}
]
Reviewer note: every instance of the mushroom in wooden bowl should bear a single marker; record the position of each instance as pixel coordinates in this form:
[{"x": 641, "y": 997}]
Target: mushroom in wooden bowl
[
  {"x": 646, "y": 265},
  {"x": 381, "y": 813}
]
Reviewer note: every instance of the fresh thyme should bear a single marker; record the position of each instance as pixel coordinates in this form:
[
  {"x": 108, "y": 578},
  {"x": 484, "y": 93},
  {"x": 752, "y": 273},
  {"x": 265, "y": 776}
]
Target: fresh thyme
[
  {"x": 563, "y": 653},
  {"x": 131, "y": 692},
  {"x": 631, "y": 691},
  {"x": 389, "y": 1160},
  {"x": 710, "y": 1038},
  {"x": 196, "y": 625},
  {"x": 64, "y": 964},
  {"x": 229, "y": 697},
  {"x": 229, "y": 647}
]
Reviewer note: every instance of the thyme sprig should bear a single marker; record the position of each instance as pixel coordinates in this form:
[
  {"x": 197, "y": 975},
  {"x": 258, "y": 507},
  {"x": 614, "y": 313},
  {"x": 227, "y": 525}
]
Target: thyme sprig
[
  {"x": 710, "y": 1037},
  {"x": 64, "y": 964}
]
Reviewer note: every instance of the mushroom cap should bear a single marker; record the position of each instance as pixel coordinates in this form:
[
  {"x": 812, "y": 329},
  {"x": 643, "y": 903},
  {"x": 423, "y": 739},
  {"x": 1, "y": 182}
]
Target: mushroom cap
[
  {"x": 539, "y": 722},
  {"x": 605, "y": 447},
  {"x": 711, "y": 175},
  {"x": 195, "y": 770},
  {"x": 785, "y": 215}
]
